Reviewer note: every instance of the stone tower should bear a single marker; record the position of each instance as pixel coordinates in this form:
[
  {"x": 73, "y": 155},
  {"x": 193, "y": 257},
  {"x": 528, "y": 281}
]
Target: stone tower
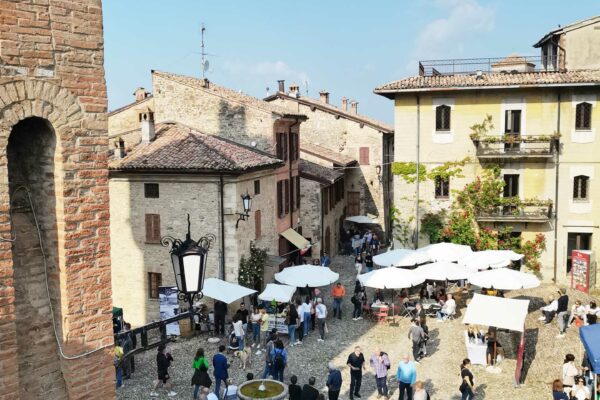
[{"x": 55, "y": 296}]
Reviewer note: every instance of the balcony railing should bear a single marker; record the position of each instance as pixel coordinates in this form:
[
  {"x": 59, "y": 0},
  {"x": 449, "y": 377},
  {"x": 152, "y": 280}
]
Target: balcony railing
[
  {"x": 518, "y": 211},
  {"x": 516, "y": 146},
  {"x": 510, "y": 64}
]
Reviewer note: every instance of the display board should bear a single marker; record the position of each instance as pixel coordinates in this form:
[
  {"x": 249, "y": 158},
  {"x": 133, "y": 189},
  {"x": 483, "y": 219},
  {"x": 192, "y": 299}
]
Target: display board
[
  {"x": 169, "y": 307},
  {"x": 583, "y": 271}
]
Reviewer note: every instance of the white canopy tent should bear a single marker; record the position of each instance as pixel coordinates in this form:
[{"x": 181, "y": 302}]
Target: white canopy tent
[
  {"x": 280, "y": 293},
  {"x": 442, "y": 271},
  {"x": 401, "y": 258},
  {"x": 497, "y": 311},
  {"x": 225, "y": 291},
  {"x": 480, "y": 260},
  {"x": 361, "y": 219},
  {"x": 391, "y": 278},
  {"x": 504, "y": 279},
  {"x": 307, "y": 275},
  {"x": 446, "y": 251}
]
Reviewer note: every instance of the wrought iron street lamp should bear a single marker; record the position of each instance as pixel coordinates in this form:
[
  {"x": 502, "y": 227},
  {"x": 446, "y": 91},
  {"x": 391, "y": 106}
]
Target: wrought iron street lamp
[
  {"x": 247, "y": 203},
  {"x": 189, "y": 264}
]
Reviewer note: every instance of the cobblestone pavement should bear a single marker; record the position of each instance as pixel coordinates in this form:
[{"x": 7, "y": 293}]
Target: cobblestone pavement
[{"x": 439, "y": 370}]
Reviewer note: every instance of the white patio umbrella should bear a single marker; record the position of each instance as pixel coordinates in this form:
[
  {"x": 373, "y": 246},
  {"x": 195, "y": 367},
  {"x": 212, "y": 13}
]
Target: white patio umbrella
[
  {"x": 401, "y": 258},
  {"x": 307, "y": 275},
  {"x": 504, "y": 279},
  {"x": 442, "y": 271},
  {"x": 226, "y": 292},
  {"x": 446, "y": 251},
  {"x": 391, "y": 278},
  {"x": 489, "y": 259},
  {"x": 280, "y": 293},
  {"x": 361, "y": 219}
]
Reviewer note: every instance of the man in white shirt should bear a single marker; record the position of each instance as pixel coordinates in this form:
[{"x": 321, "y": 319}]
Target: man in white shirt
[
  {"x": 448, "y": 309},
  {"x": 549, "y": 310},
  {"x": 321, "y": 315}
]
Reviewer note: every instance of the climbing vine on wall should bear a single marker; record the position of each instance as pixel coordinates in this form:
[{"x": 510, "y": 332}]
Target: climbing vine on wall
[{"x": 407, "y": 171}]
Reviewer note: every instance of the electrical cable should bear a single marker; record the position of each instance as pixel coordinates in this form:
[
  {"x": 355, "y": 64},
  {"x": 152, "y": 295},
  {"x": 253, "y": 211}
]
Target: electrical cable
[{"x": 39, "y": 234}]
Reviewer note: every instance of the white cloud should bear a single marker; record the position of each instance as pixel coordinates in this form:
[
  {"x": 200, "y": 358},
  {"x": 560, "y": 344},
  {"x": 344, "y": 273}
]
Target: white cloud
[
  {"x": 280, "y": 70},
  {"x": 447, "y": 36}
]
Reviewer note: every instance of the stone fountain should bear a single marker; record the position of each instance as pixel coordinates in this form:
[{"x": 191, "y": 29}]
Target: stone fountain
[{"x": 263, "y": 389}]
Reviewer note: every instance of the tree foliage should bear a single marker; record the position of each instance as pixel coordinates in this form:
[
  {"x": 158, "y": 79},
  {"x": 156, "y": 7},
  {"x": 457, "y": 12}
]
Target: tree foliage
[{"x": 252, "y": 269}]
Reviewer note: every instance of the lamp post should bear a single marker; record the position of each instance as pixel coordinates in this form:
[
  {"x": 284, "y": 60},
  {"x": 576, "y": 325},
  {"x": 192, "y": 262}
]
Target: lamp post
[
  {"x": 247, "y": 204},
  {"x": 189, "y": 264}
]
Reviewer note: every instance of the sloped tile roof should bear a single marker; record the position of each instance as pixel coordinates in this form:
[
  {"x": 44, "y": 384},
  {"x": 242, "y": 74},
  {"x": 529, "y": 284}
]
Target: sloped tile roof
[
  {"x": 490, "y": 80},
  {"x": 326, "y": 154},
  {"x": 330, "y": 108},
  {"x": 317, "y": 172},
  {"x": 229, "y": 94},
  {"x": 179, "y": 148}
]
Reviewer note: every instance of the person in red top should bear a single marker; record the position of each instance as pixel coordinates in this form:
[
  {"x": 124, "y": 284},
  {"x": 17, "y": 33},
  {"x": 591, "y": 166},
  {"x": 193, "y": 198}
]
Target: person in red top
[{"x": 338, "y": 292}]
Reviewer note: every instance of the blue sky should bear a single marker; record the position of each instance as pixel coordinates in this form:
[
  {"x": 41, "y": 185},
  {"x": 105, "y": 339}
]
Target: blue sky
[{"x": 346, "y": 47}]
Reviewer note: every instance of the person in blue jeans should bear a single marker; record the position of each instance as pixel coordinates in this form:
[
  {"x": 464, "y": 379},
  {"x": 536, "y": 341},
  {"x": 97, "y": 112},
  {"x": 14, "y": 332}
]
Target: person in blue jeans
[
  {"x": 291, "y": 323},
  {"x": 305, "y": 307},
  {"x": 269, "y": 347},
  {"x": 406, "y": 376},
  {"x": 466, "y": 387},
  {"x": 221, "y": 367},
  {"x": 278, "y": 360}
]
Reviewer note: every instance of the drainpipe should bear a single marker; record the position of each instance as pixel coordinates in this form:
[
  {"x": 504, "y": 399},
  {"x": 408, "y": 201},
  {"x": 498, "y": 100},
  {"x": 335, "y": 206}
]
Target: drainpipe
[
  {"x": 416, "y": 243},
  {"x": 556, "y": 168},
  {"x": 221, "y": 187}
]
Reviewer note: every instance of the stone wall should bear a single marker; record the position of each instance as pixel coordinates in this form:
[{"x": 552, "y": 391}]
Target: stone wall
[
  {"x": 53, "y": 142},
  {"x": 125, "y": 120}
]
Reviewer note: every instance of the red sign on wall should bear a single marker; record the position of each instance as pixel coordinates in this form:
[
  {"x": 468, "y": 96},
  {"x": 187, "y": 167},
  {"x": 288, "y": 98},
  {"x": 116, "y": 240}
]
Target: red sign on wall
[{"x": 580, "y": 270}]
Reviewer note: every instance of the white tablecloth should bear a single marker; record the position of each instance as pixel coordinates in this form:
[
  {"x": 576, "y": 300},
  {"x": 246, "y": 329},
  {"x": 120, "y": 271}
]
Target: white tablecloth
[{"x": 475, "y": 352}]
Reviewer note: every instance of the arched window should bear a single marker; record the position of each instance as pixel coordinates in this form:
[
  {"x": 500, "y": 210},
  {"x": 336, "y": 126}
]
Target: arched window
[
  {"x": 583, "y": 116},
  {"x": 442, "y": 118},
  {"x": 580, "y": 187}
]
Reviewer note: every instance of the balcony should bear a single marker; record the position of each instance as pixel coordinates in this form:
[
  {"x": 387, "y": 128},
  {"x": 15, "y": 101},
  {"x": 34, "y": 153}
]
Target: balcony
[
  {"x": 511, "y": 64},
  {"x": 515, "y": 147},
  {"x": 516, "y": 210}
]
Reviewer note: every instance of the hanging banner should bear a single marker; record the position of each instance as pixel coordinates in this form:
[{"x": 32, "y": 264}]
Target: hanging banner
[
  {"x": 169, "y": 307},
  {"x": 581, "y": 270}
]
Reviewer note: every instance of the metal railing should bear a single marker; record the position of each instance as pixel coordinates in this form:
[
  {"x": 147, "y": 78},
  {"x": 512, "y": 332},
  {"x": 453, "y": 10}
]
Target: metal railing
[
  {"x": 497, "y": 64},
  {"x": 516, "y": 146},
  {"x": 517, "y": 213}
]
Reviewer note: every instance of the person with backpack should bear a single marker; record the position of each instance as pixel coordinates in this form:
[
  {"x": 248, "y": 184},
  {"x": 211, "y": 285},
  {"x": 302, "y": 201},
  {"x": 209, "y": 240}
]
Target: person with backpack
[
  {"x": 268, "y": 350},
  {"x": 380, "y": 363},
  {"x": 466, "y": 386},
  {"x": 279, "y": 359}
]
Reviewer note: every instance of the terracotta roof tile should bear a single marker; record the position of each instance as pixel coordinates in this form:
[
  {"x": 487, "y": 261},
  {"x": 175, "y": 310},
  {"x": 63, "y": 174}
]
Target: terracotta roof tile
[
  {"x": 330, "y": 108},
  {"x": 465, "y": 81},
  {"x": 326, "y": 154},
  {"x": 180, "y": 148},
  {"x": 313, "y": 171},
  {"x": 232, "y": 95}
]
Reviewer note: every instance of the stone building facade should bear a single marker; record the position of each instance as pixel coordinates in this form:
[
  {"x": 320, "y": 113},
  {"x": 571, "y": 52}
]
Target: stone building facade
[
  {"x": 54, "y": 217},
  {"x": 157, "y": 184},
  {"x": 543, "y": 139},
  {"x": 345, "y": 131}
]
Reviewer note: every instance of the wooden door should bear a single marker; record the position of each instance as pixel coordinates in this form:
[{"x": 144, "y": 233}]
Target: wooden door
[{"x": 353, "y": 204}]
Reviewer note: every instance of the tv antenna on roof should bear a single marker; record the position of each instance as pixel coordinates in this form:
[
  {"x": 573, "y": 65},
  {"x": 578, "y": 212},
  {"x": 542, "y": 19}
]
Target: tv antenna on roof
[{"x": 205, "y": 63}]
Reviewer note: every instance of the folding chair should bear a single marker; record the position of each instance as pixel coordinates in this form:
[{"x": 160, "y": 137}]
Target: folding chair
[
  {"x": 382, "y": 314},
  {"x": 407, "y": 311}
]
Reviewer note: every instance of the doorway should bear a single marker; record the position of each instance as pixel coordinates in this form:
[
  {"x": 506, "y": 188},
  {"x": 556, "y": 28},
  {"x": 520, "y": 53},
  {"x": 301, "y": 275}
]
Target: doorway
[
  {"x": 577, "y": 241},
  {"x": 353, "y": 204}
]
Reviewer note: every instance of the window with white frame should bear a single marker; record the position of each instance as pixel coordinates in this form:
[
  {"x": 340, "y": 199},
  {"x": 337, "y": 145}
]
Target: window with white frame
[
  {"x": 580, "y": 187},
  {"x": 583, "y": 116},
  {"x": 442, "y": 118}
]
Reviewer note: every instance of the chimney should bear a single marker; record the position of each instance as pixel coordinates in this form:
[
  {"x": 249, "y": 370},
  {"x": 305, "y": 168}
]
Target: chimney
[
  {"x": 119, "y": 148},
  {"x": 206, "y": 83},
  {"x": 140, "y": 94},
  {"x": 147, "y": 122},
  {"x": 294, "y": 90},
  {"x": 281, "y": 84},
  {"x": 354, "y": 107},
  {"x": 324, "y": 94},
  {"x": 344, "y": 104}
]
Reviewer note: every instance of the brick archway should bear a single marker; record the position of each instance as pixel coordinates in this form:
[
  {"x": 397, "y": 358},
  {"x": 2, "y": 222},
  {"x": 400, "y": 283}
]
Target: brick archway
[{"x": 80, "y": 261}]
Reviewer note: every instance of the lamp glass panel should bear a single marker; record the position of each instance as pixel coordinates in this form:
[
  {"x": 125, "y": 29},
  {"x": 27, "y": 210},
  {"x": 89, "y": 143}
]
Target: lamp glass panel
[
  {"x": 191, "y": 268},
  {"x": 176, "y": 270}
]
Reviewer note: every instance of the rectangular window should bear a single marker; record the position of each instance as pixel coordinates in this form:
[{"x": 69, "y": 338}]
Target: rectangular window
[
  {"x": 512, "y": 121},
  {"x": 298, "y": 192},
  {"x": 294, "y": 147},
  {"x": 257, "y": 224},
  {"x": 151, "y": 190},
  {"x": 442, "y": 118},
  {"x": 442, "y": 187},
  {"x": 363, "y": 156},
  {"x": 583, "y": 116},
  {"x": 580, "y": 187},
  {"x": 280, "y": 199},
  {"x": 154, "y": 282},
  {"x": 152, "y": 228},
  {"x": 257, "y": 187},
  {"x": 511, "y": 189},
  {"x": 286, "y": 193}
]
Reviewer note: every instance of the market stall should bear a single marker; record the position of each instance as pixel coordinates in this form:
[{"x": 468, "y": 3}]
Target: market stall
[
  {"x": 401, "y": 258},
  {"x": 446, "y": 251},
  {"x": 225, "y": 291},
  {"x": 481, "y": 260},
  {"x": 504, "y": 279},
  {"x": 307, "y": 276},
  {"x": 500, "y": 313},
  {"x": 590, "y": 337}
]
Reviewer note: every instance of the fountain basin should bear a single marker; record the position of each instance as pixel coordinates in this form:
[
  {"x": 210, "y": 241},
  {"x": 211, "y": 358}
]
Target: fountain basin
[{"x": 273, "y": 390}]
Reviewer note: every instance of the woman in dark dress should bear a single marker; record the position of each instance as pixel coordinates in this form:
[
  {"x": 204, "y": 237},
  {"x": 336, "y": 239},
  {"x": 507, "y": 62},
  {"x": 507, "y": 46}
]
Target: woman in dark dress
[
  {"x": 466, "y": 387},
  {"x": 200, "y": 377}
]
